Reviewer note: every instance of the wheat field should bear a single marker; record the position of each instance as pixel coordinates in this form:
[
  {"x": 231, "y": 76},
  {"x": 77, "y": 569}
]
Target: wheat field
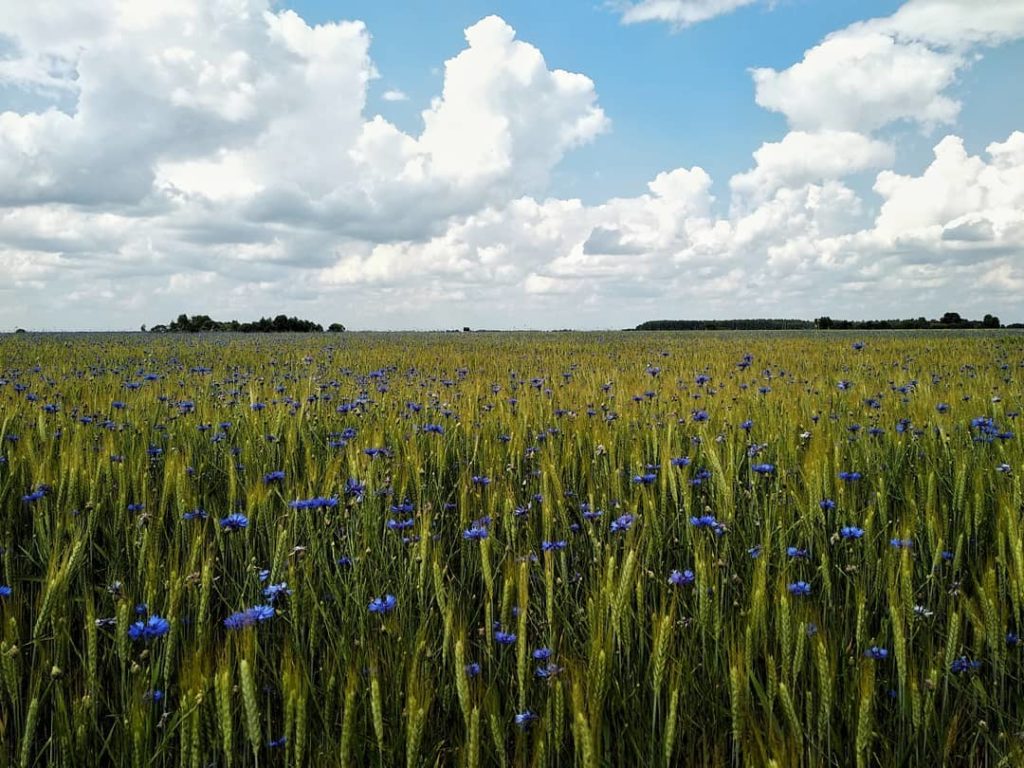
[{"x": 635, "y": 549}]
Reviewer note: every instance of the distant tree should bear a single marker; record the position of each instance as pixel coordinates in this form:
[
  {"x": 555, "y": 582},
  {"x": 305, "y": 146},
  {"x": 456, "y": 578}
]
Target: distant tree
[
  {"x": 951, "y": 318},
  {"x": 466, "y": 329},
  {"x": 143, "y": 328},
  {"x": 19, "y": 330},
  {"x": 335, "y": 328},
  {"x": 823, "y": 323},
  {"x": 990, "y": 321}
]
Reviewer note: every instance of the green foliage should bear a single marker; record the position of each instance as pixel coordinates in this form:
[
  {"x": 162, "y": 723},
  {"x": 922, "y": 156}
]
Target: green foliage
[{"x": 279, "y": 324}]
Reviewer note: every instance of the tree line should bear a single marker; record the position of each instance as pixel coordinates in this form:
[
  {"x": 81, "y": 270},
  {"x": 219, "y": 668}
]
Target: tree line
[
  {"x": 758, "y": 324},
  {"x": 947, "y": 321},
  {"x": 278, "y": 324}
]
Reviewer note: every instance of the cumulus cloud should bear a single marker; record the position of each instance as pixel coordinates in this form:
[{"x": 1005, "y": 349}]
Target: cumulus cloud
[
  {"x": 802, "y": 157},
  {"x": 218, "y": 156},
  {"x": 893, "y": 68}
]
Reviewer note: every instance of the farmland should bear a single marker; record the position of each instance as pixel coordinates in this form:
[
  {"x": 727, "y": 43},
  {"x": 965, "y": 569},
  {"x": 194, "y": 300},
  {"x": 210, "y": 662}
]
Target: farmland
[{"x": 512, "y": 549}]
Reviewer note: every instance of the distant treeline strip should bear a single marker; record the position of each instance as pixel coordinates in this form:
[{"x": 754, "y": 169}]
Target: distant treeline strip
[
  {"x": 726, "y": 325},
  {"x": 949, "y": 320},
  {"x": 279, "y": 324}
]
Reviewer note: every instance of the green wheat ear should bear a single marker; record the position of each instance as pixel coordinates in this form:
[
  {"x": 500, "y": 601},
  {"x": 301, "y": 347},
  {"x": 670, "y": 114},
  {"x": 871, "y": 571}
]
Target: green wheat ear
[{"x": 250, "y": 705}]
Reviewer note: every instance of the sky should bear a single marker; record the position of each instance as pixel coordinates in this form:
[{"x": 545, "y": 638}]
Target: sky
[{"x": 509, "y": 165}]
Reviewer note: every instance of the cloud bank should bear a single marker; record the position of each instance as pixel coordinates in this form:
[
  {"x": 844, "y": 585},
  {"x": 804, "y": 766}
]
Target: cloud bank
[{"x": 217, "y": 156}]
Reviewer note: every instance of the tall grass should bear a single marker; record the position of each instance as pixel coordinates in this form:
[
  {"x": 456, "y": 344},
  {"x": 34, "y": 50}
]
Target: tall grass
[{"x": 897, "y": 647}]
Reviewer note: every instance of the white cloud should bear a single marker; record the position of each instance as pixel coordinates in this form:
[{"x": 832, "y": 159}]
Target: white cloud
[
  {"x": 861, "y": 80},
  {"x": 802, "y": 157},
  {"x": 679, "y": 13},
  {"x": 959, "y": 198},
  {"x": 894, "y": 68},
  {"x": 393, "y": 94}
]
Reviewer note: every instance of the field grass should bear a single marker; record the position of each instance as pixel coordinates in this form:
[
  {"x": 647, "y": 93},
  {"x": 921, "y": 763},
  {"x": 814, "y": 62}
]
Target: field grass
[{"x": 524, "y": 549}]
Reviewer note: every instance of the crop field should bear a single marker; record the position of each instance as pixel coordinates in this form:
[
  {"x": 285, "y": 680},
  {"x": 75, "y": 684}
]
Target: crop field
[{"x": 630, "y": 549}]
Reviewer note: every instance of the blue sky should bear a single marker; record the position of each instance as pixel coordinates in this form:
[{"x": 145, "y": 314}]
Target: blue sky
[{"x": 509, "y": 164}]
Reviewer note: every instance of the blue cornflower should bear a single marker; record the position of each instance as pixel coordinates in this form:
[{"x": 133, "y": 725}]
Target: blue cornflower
[
  {"x": 754, "y": 552},
  {"x": 150, "y": 629},
  {"x": 681, "y": 578},
  {"x": 708, "y": 521},
  {"x": 851, "y": 532},
  {"x": 154, "y": 695},
  {"x": 436, "y": 429},
  {"x": 901, "y": 543},
  {"x": 700, "y": 476},
  {"x": 876, "y": 653},
  {"x": 553, "y": 546},
  {"x": 274, "y": 591},
  {"x": 195, "y": 514},
  {"x": 234, "y": 522},
  {"x": 542, "y": 654},
  {"x": 481, "y": 480},
  {"x": 317, "y": 502},
  {"x": 505, "y": 638},
  {"x": 942, "y": 407},
  {"x": 764, "y": 469},
  {"x": 963, "y": 664},
  {"x": 384, "y": 604},
  {"x": 353, "y": 487},
  {"x": 645, "y": 479},
  {"x": 5, "y": 591},
  {"x": 680, "y": 461},
  {"x": 249, "y": 617},
  {"x": 827, "y": 504},
  {"x": 523, "y": 719},
  {"x": 622, "y": 523},
  {"x": 799, "y": 588},
  {"x": 472, "y": 669},
  {"x": 275, "y": 476},
  {"x": 850, "y": 477},
  {"x": 476, "y": 533},
  {"x": 547, "y": 671},
  {"x": 277, "y": 743},
  {"x": 699, "y": 415},
  {"x": 747, "y": 425},
  {"x": 795, "y": 552},
  {"x": 260, "y": 613}
]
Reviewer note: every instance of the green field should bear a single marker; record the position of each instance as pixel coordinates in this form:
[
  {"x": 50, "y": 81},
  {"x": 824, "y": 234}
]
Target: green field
[{"x": 633, "y": 549}]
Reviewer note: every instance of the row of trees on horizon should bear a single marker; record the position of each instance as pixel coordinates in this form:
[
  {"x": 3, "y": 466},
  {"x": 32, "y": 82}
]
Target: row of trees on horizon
[
  {"x": 278, "y": 324},
  {"x": 950, "y": 320}
]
